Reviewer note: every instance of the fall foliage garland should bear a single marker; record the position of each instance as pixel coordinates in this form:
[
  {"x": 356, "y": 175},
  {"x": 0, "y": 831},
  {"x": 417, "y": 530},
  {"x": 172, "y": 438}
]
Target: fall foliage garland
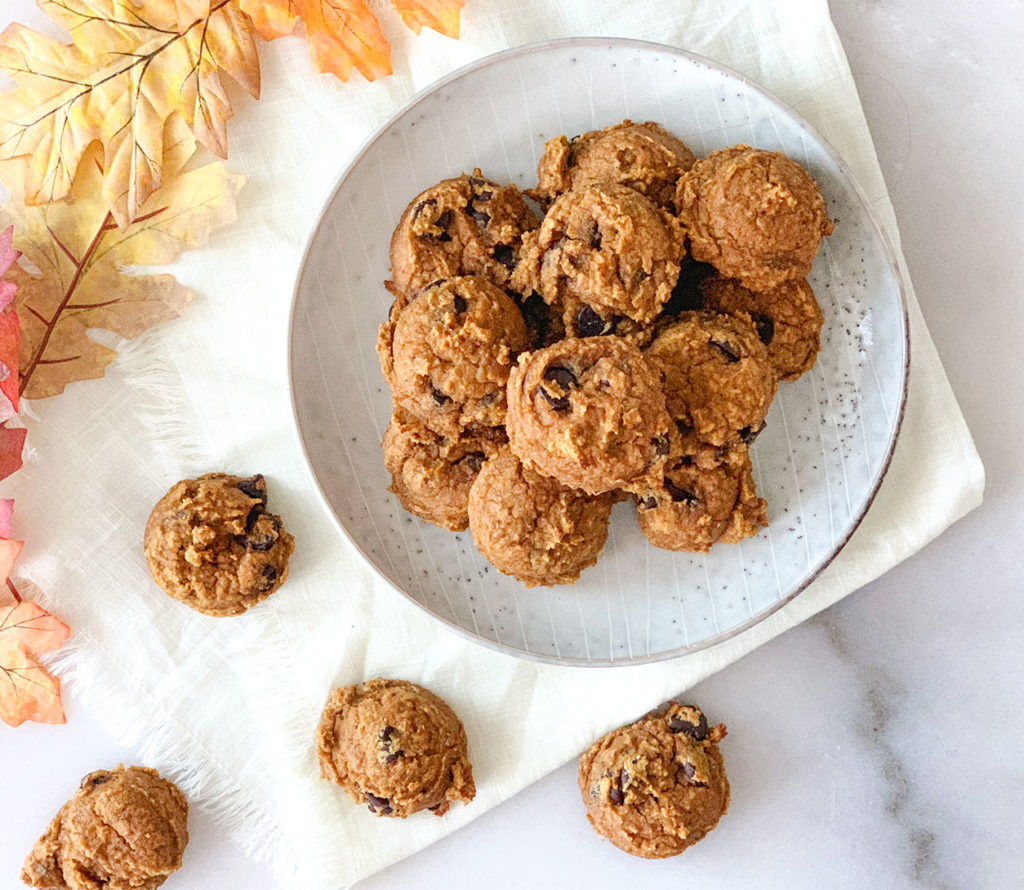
[{"x": 94, "y": 139}]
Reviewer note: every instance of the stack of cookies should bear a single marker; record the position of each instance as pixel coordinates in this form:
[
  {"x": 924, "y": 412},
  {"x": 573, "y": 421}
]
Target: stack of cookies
[{"x": 625, "y": 341}]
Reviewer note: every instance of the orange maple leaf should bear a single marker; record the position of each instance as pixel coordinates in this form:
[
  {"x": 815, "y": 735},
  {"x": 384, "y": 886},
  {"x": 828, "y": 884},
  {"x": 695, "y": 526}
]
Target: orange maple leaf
[
  {"x": 441, "y": 15},
  {"x": 27, "y": 690},
  {"x": 126, "y": 73},
  {"x": 345, "y": 34}
]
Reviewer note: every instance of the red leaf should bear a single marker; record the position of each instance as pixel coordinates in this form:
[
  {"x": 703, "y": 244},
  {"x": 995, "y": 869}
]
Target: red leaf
[
  {"x": 12, "y": 441},
  {"x": 10, "y": 328}
]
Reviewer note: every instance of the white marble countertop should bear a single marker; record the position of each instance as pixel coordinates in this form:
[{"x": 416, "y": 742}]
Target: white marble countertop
[{"x": 877, "y": 745}]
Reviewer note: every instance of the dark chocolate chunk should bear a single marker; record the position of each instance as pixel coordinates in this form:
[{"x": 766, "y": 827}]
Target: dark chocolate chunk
[
  {"x": 460, "y": 303},
  {"x": 267, "y": 579},
  {"x": 562, "y": 376},
  {"x": 589, "y": 324},
  {"x": 505, "y": 255},
  {"x": 254, "y": 487},
  {"x": 727, "y": 349},
  {"x": 595, "y": 237},
  {"x": 418, "y": 209},
  {"x": 263, "y": 535},
  {"x": 698, "y": 731},
  {"x": 474, "y": 460},
  {"x": 747, "y": 435},
  {"x": 616, "y": 795},
  {"x": 392, "y": 758},
  {"x": 378, "y": 803},
  {"x": 444, "y": 220},
  {"x": 689, "y": 770},
  {"x": 660, "y": 445},
  {"x": 439, "y": 397},
  {"x": 679, "y": 494},
  {"x": 648, "y": 503},
  {"x": 386, "y": 732},
  {"x": 765, "y": 327},
  {"x": 95, "y": 780}
]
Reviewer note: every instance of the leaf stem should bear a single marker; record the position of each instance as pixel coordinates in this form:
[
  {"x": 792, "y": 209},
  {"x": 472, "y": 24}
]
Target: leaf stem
[
  {"x": 51, "y": 325},
  {"x": 13, "y": 590}
]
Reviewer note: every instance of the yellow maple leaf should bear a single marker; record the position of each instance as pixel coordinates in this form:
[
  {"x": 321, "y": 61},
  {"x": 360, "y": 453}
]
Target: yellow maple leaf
[
  {"x": 126, "y": 72},
  {"x": 80, "y": 254},
  {"x": 345, "y": 34}
]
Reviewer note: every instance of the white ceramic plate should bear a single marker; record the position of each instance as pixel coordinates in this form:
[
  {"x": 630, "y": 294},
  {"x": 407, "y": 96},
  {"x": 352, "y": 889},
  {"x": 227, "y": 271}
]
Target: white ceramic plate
[{"x": 829, "y": 438}]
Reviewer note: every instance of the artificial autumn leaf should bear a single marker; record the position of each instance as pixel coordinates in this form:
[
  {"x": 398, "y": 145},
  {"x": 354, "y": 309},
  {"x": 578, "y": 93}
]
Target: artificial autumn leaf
[
  {"x": 126, "y": 72},
  {"x": 27, "y": 690},
  {"x": 345, "y": 34},
  {"x": 441, "y": 15},
  {"x": 10, "y": 330},
  {"x": 80, "y": 254},
  {"x": 12, "y": 441}
]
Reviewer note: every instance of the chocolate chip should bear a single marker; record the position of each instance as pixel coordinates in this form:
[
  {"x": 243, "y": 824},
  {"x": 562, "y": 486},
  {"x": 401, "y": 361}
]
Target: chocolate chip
[
  {"x": 679, "y": 494},
  {"x": 439, "y": 397},
  {"x": 698, "y": 731},
  {"x": 589, "y": 324},
  {"x": 595, "y": 237},
  {"x": 460, "y": 303},
  {"x": 254, "y": 514},
  {"x": 443, "y": 221},
  {"x": 378, "y": 803},
  {"x": 616, "y": 796},
  {"x": 96, "y": 779},
  {"x": 565, "y": 380},
  {"x": 478, "y": 215},
  {"x": 477, "y": 181},
  {"x": 254, "y": 487},
  {"x": 535, "y": 313},
  {"x": 689, "y": 770},
  {"x": 418, "y": 209},
  {"x": 765, "y": 327},
  {"x": 649, "y": 503},
  {"x": 684, "y": 428},
  {"x": 660, "y": 445},
  {"x": 263, "y": 535},
  {"x": 505, "y": 255},
  {"x": 726, "y": 349},
  {"x": 434, "y": 283},
  {"x": 267, "y": 579},
  {"x": 686, "y": 461},
  {"x": 474, "y": 460},
  {"x": 747, "y": 435},
  {"x": 392, "y": 758},
  {"x": 386, "y": 733}
]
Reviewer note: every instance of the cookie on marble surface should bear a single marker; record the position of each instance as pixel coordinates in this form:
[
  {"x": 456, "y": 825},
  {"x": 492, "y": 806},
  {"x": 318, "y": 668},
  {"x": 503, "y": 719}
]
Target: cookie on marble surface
[
  {"x": 468, "y": 225},
  {"x": 604, "y": 246},
  {"x": 396, "y": 747},
  {"x": 431, "y": 474},
  {"x": 706, "y": 495},
  {"x": 590, "y": 413},
  {"x": 211, "y": 543},
  {"x": 532, "y": 527},
  {"x": 644, "y": 157},
  {"x": 450, "y": 354},
  {"x": 123, "y": 829},
  {"x": 656, "y": 786},
  {"x": 788, "y": 319},
  {"x": 754, "y": 215},
  {"x": 718, "y": 380}
]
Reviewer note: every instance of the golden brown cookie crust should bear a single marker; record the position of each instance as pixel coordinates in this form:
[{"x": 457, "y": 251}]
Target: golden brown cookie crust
[
  {"x": 468, "y": 225},
  {"x": 755, "y": 215},
  {"x": 533, "y": 528},
  {"x": 645, "y": 157},
  {"x": 704, "y": 497},
  {"x": 656, "y": 786},
  {"x": 453, "y": 347},
  {"x": 788, "y": 320},
  {"x": 605, "y": 246},
  {"x": 718, "y": 380},
  {"x": 396, "y": 747},
  {"x": 589, "y": 413},
  {"x": 211, "y": 544},
  {"x": 123, "y": 829},
  {"x": 431, "y": 474}
]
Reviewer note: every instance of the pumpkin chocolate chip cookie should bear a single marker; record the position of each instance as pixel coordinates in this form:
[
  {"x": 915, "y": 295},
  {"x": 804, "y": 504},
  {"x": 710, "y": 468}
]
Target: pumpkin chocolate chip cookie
[
  {"x": 123, "y": 829},
  {"x": 463, "y": 226},
  {"x": 396, "y": 747},
  {"x": 656, "y": 786},
  {"x": 589, "y": 413},
  {"x": 211, "y": 543},
  {"x": 754, "y": 215},
  {"x": 532, "y": 527}
]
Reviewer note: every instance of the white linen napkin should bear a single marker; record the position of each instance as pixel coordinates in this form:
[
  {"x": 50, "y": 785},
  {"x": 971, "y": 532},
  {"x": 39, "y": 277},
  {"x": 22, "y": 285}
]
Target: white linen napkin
[{"x": 227, "y": 707}]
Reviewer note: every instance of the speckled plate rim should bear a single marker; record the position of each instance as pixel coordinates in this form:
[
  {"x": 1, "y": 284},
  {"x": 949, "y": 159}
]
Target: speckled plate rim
[{"x": 850, "y": 182}]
